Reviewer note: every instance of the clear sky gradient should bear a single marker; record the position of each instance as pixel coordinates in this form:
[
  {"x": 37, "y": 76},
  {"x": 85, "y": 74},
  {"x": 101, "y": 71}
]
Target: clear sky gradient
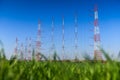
[{"x": 19, "y": 18}]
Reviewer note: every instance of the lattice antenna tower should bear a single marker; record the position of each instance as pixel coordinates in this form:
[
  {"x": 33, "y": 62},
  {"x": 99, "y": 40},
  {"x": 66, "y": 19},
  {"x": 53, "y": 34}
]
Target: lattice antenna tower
[
  {"x": 22, "y": 52},
  {"x": 63, "y": 38},
  {"x": 52, "y": 37},
  {"x": 38, "y": 42},
  {"x": 97, "y": 42},
  {"x": 30, "y": 49},
  {"x": 26, "y": 49},
  {"x": 76, "y": 36},
  {"x": 16, "y": 47}
]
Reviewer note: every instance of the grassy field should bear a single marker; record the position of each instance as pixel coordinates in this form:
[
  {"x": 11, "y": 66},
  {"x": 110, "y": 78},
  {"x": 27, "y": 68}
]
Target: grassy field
[
  {"x": 46, "y": 70},
  {"x": 59, "y": 70}
]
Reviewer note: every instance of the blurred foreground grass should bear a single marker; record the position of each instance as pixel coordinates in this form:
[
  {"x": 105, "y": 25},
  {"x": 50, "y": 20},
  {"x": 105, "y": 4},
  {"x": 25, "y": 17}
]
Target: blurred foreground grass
[
  {"x": 46, "y": 70},
  {"x": 58, "y": 70}
]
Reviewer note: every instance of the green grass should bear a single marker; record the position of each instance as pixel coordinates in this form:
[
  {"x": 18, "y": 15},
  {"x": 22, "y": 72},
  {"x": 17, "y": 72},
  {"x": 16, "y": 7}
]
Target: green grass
[
  {"x": 58, "y": 70},
  {"x": 46, "y": 70}
]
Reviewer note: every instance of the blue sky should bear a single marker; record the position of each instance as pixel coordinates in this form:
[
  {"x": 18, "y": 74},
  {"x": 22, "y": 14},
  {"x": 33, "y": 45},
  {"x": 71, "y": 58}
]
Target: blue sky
[{"x": 19, "y": 18}]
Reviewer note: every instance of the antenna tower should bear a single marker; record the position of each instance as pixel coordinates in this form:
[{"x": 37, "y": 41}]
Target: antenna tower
[
  {"x": 38, "y": 42},
  {"x": 22, "y": 52},
  {"x": 76, "y": 37},
  {"x": 26, "y": 49},
  {"x": 97, "y": 45},
  {"x": 63, "y": 40},
  {"x": 16, "y": 47},
  {"x": 29, "y": 49},
  {"x": 52, "y": 37}
]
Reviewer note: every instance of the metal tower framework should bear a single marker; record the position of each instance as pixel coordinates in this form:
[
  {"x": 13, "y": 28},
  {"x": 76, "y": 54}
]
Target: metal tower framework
[
  {"x": 38, "y": 42},
  {"x": 97, "y": 45},
  {"x": 16, "y": 47},
  {"x": 52, "y": 37},
  {"x": 22, "y": 52},
  {"x": 76, "y": 36},
  {"x": 26, "y": 49},
  {"x": 63, "y": 39},
  {"x": 29, "y": 49}
]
